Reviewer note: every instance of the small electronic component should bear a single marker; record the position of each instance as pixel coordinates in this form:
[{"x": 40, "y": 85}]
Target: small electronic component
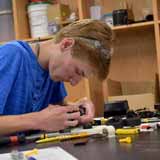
[
  {"x": 67, "y": 130},
  {"x": 148, "y": 127},
  {"x": 97, "y": 122},
  {"x": 144, "y": 113},
  {"x": 82, "y": 110},
  {"x": 87, "y": 126},
  {"x": 117, "y": 122}
]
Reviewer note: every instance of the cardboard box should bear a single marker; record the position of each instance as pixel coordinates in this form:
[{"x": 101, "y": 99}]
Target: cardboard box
[
  {"x": 58, "y": 12},
  {"x": 138, "y": 94},
  {"x": 136, "y": 101}
]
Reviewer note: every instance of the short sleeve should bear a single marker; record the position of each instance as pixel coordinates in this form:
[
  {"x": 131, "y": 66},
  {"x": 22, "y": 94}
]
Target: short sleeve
[
  {"x": 59, "y": 93},
  {"x": 10, "y": 60}
]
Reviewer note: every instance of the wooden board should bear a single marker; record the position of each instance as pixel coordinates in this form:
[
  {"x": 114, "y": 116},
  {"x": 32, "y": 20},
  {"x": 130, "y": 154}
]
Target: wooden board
[
  {"x": 21, "y": 25},
  {"x": 134, "y": 57},
  {"x": 77, "y": 92},
  {"x": 72, "y": 4},
  {"x": 83, "y": 6}
]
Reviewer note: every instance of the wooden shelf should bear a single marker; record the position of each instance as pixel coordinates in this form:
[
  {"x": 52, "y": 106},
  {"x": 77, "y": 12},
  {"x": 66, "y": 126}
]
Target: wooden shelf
[
  {"x": 32, "y": 39},
  {"x": 65, "y": 22},
  {"x": 37, "y": 39},
  {"x": 132, "y": 26}
]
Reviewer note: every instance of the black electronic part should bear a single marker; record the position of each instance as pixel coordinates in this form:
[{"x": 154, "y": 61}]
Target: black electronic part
[
  {"x": 116, "y": 108},
  {"x": 157, "y": 106},
  {"x": 117, "y": 122},
  {"x": 97, "y": 122},
  {"x": 82, "y": 110},
  {"x": 146, "y": 114},
  {"x": 120, "y": 17},
  {"x": 131, "y": 122},
  {"x": 87, "y": 126},
  {"x": 66, "y": 130},
  {"x": 12, "y": 140},
  {"x": 131, "y": 114},
  {"x": 132, "y": 119},
  {"x": 149, "y": 17}
]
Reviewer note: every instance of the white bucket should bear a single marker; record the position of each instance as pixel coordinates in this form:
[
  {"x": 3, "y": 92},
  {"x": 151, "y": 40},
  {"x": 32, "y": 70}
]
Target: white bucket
[{"x": 38, "y": 19}]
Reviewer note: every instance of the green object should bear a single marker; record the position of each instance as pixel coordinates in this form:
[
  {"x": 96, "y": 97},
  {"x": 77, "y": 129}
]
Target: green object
[{"x": 35, "y": 3}]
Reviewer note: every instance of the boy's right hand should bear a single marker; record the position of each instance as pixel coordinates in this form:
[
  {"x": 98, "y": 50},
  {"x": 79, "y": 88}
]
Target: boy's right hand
[{"x": 55, "y": 118}]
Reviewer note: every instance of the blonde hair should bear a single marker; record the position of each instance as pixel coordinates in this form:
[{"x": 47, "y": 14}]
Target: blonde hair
[{"x": 93, "y": 42}]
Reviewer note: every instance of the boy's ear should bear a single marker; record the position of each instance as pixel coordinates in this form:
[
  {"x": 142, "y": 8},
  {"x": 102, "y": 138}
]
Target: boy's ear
[{"x": 67, "y": 43}]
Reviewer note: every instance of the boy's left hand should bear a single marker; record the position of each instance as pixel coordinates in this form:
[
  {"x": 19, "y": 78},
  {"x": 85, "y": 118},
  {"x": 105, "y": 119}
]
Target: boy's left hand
[{"x": 89, "y": 109}]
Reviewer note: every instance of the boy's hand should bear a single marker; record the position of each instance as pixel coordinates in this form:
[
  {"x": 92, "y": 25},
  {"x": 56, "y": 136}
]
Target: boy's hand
[
  {"x": 89, "y": 109},
  {"x": 55, "y": 117}
]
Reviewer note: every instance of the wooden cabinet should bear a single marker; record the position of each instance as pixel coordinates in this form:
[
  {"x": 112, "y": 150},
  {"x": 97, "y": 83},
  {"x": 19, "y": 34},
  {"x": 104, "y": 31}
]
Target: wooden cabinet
[
  {"x": 20, "y": 17},
  {"x": 137, "y": 46}
]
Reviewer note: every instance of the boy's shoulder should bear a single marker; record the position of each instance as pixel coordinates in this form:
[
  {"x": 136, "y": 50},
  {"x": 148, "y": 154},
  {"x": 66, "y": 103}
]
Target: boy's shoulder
[{"x": 15, "y": 49}]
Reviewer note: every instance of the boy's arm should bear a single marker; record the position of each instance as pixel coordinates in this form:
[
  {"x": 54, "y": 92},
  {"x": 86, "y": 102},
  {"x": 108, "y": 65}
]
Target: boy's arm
[
  {"x": 18, "y": 123},
  {"x": 52, "y": 118}
]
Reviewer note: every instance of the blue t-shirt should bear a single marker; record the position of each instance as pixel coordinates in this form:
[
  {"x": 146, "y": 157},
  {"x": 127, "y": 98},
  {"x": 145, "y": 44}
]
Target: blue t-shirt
[{"x": 24, "y": 85}]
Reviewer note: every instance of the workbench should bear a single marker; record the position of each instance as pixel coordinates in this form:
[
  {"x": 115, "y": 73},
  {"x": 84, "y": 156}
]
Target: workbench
[{"x": 145, "y": 146}]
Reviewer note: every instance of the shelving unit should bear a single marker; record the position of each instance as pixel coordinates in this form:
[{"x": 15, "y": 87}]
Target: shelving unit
[
  {"x": 134, "y": 26},
  {"x": 137, "y": 46},
  {"x": 38, "y": 39}
]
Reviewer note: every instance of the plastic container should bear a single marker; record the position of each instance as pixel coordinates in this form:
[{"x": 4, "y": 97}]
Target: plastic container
[
  {"x": 38, "y": 19},
  {"x": 108, "y": 18},
  {"x": 96, "y": 12},
  {"x": 146, "y": 12},
  {"x": 6, "y": 27}
]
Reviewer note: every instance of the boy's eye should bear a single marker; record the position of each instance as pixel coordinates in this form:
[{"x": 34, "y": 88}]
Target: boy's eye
[{"x": 81, "y": 73}]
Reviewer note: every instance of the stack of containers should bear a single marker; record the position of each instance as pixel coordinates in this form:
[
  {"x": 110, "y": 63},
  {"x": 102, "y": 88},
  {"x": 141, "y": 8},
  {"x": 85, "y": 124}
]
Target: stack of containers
[{"x": 6, "y": 21}]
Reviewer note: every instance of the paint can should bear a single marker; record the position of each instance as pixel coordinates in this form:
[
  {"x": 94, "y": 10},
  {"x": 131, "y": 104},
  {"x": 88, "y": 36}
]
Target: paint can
[{"x": 38, "y": 19}]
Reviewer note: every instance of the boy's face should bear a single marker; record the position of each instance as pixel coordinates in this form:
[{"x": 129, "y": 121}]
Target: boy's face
[
  {"x": 64, "y": 67},
  {"x": 69, "y": 69}
]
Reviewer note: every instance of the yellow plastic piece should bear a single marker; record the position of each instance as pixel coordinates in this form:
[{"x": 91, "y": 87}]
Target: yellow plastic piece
[
  {"x": 64, "y": 137},
  {"x": 145, "y": 120},
  {"x": 127, "y": 131},
  {"x": 31, "y": 152},
  {"x": 42, "y": 136},
  {"x": 125, "y": 140},
  {"x": 103, "y": 121}
]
